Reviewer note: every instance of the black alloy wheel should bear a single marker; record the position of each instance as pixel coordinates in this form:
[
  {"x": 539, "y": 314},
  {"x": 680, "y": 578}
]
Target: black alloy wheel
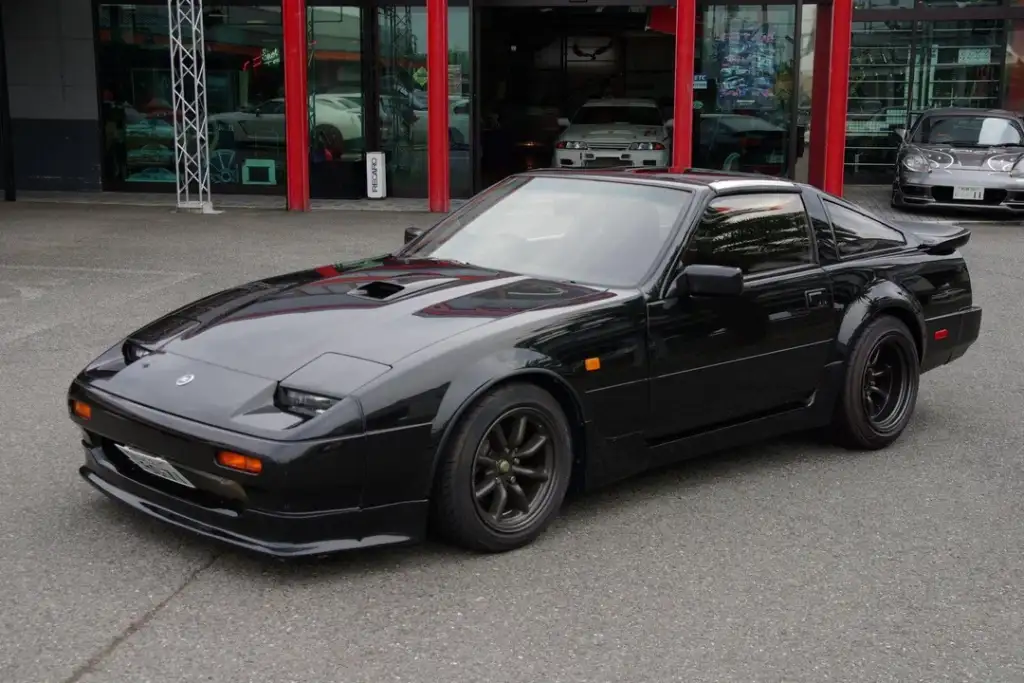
[
  {"x": 512, "y": 479},
  {"x": 880, "y": 392},
  {"x": 504, "y": 471},
  {"x": 886, "y": 385}
]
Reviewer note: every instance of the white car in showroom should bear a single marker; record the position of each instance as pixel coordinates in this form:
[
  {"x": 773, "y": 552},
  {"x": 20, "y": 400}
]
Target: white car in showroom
[{"x": 608, "y": 133}]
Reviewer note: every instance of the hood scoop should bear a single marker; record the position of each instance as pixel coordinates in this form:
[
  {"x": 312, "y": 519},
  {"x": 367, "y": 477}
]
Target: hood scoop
[{"x": 390, "y": 290}]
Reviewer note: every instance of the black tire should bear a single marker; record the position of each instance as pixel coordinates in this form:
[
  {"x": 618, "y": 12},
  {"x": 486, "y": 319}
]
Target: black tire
[
  {"x": 885, "y": 342},
  {"x": 896, "y": 201},
  {"x": 330, "y": 138},
  {"x": 465, "y": 470}
]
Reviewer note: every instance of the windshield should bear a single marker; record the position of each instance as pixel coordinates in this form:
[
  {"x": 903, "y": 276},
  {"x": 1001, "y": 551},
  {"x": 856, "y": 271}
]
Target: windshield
[
  {"x": 602, "y": 114},
  {"x": 569, "y": 229},
  {"x": 967, "y": 131}
]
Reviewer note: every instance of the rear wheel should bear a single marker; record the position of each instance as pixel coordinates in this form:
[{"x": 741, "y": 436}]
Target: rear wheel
[
  {"x": 880, "y": 391},
  {"x": 505, "y": 472}
]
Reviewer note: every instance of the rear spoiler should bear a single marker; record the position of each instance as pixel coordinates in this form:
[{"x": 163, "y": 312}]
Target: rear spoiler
[{"x": 937, "y": 238}]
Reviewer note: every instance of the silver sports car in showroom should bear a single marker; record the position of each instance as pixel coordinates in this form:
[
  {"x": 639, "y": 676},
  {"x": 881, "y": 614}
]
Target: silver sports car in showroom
[{"x": 961, "y": 159}]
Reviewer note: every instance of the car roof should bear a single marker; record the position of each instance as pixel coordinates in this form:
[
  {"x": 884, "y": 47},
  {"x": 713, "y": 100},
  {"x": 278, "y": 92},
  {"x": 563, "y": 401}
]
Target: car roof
[
  {"x": 968, "y": 111},
  {"x": 691, "y": 178},
  {"x": 620, "y": 102}
]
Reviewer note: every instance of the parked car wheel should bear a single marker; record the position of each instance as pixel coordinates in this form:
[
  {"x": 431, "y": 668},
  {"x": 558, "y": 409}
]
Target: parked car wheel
[
  {"x": 880, "y": 390},
  {"x": 896, "y": 201},
  {"x": 330, "y": 138},
  {"x": 505, "y": 471}
]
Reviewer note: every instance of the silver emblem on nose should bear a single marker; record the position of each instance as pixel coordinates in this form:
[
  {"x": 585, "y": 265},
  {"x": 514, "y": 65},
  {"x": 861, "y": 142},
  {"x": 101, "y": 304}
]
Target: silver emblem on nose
[{"x": 184, "y": 379}]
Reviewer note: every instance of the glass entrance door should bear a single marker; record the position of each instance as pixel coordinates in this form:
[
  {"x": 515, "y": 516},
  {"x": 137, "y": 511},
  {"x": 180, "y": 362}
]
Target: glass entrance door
[
  {"x": 403, "y": 76},
  {"x": 337, "y": 106},
  {"x": 744, "y": 85}
]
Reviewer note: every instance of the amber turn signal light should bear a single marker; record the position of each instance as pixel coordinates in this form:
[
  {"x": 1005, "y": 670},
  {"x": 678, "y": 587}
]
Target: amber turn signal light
[
  {"x": 237, "y": 461},
  {"x": 82, "y": 410}
]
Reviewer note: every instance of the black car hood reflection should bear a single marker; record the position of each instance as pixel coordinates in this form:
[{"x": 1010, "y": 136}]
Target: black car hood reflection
[
  {"x": 979, "y": 158},
  {"x": 381, "y": 311}
]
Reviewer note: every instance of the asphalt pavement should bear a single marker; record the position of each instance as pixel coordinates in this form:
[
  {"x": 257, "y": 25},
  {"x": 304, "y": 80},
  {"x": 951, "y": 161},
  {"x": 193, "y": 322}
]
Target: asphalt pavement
[{"x": 788, "y": 561}]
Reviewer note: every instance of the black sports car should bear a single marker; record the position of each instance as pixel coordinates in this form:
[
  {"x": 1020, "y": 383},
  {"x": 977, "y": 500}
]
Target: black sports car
[
  {"x": 961, "y": 159},
  {"x": 559, "y": 330}
]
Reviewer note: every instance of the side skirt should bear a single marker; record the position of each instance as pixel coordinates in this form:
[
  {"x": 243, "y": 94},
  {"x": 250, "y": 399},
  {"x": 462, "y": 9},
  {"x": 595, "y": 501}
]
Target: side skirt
[{"x": 630, "y": 455}]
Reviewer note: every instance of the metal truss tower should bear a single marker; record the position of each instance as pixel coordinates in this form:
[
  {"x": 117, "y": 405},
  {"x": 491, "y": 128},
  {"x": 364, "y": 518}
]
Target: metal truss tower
[{"x": 188, "y": 83}]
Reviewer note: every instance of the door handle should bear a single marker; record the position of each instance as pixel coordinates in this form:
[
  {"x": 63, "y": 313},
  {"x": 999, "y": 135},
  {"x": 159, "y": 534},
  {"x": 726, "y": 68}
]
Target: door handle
[{"x": 815, "y": 298}]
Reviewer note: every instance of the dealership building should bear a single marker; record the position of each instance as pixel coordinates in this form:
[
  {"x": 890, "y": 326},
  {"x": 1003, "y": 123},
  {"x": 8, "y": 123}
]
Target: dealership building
[{"x": 457, "y": 94}]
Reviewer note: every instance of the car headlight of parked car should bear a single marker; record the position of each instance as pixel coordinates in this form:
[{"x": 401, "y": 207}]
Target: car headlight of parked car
[
  {"x": 571, "y": 144},
  {"x": 1004, "y": 163},
  {"x": 647, "y": 146},
  {"x": 917, "y": 162}
]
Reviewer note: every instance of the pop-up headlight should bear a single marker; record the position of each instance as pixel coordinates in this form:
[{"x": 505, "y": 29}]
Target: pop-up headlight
[
  {"x": 133, "y": 351},
  {"x": 302, "y": 402}
]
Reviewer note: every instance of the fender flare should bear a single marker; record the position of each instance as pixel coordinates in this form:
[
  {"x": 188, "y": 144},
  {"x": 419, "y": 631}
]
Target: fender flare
[
  {"x": 500, "y": 368},
  {"x": 883, "y": 297}
]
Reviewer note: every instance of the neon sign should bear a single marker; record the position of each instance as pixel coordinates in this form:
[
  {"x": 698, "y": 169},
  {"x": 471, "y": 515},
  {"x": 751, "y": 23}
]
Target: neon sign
[{"x": 271, "y": 57}]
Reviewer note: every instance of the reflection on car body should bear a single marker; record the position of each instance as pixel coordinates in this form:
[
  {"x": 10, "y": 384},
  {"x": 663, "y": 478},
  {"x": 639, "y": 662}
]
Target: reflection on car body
[{"x": 474, "y": 375}]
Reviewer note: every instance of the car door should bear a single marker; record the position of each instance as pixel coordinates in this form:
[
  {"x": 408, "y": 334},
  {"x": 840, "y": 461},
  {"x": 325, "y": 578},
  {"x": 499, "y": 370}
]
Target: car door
[
  {"x": 717, "y": 360},
  {"x": 266, "y": 124}
]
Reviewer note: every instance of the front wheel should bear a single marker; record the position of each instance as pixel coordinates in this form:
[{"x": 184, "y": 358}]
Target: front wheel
[
  {"x": 505, "y": 472},
  {"x": 880, "y": 391}
]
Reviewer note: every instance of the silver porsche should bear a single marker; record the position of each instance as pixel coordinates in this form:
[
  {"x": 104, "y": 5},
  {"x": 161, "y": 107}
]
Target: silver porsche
[{"x": 961, "y": 159}]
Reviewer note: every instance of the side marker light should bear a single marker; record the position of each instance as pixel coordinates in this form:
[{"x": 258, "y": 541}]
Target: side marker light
[
  {"x": 592, "y": 364},
  {"x": 941, "y": 334},
  {"x": 82, "y": 410},
  {"x": 237, "y": 461}
]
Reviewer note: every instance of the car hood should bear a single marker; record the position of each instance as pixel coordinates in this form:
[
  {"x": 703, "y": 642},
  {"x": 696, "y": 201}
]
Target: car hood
[
  {"x": 614, "y": 132},
  {"x": 980, "y": 158},
  {"x": 378, "y": 310}
]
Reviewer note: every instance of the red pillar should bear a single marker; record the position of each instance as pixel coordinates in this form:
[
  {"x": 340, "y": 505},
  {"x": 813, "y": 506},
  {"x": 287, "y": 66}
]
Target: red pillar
[
  {"x": 839, "y": 85},
  {"x": 682, "y": 132},
  {"x": 296, "y": 103},
  {"x": 819, "y": 96},
  {"x": 437, "y": 106}
]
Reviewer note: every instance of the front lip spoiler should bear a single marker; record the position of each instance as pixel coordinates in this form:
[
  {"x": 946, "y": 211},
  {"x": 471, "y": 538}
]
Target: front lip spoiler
[{"x": 404, "y": 520}]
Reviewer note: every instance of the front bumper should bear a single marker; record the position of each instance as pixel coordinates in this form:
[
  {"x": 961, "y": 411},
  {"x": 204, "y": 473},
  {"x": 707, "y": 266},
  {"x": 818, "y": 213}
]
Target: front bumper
[
  {"x": 949, "y": 336},
  {"x": 937, "y": 190},
  {"x": 609, "y": 158},
  {"x": 302, "y": 504}
]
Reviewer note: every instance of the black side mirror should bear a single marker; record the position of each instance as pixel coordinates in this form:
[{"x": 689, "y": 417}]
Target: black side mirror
[
  {"x": 412, "y": 234},
  {"x": 707, "y": 280}
]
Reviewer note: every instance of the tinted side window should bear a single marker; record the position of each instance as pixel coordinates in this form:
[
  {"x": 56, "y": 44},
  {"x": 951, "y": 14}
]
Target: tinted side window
[
  {"x": 753, "y": 232},
  {"x": 857, "y": 234}
]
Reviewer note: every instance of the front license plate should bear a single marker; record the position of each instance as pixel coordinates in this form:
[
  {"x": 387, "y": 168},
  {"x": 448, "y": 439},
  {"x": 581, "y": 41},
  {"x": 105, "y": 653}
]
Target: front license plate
[
  {"x": 158, "y": 467},
  {"x": 775, "y": 158},
  {"x": 975, "y": 194}
]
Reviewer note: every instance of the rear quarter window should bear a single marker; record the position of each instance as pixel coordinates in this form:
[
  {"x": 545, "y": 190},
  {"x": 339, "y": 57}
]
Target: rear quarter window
[{"x": 857, "y": 234}]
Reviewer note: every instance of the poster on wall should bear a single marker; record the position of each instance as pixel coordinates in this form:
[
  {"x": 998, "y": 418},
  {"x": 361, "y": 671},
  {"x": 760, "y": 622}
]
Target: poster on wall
[{"x": 746, "y": 79}]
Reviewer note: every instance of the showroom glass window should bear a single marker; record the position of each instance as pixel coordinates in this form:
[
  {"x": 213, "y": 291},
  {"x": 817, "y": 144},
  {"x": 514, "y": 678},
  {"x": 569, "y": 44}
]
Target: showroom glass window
[
  {"x": 337, "y": 108},
  {"x": 403, "y": 99},
  {"x": 901, "y": 68},
  {"x": 747, "y": 58},
  {"x": 1013, "y": 70},
  {"x": 756, "y": 233},
  {"x": 245, "y": 98}
]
